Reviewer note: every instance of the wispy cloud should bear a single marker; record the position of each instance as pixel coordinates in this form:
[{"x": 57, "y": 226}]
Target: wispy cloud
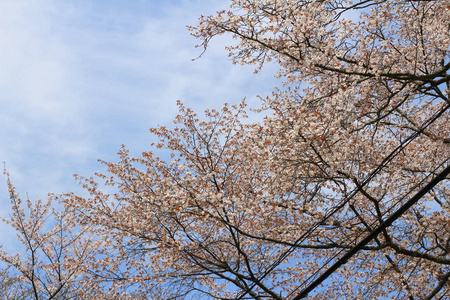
[{"x": 79, "y": 79}]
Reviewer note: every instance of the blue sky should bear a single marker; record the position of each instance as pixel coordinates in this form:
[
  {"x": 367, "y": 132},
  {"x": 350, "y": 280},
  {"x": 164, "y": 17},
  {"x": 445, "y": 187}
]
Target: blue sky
[{"x": 80, "y": 78}]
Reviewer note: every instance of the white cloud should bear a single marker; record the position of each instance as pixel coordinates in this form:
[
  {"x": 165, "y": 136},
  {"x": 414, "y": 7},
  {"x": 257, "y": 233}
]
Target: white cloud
[{"x": 80, "y": 78}]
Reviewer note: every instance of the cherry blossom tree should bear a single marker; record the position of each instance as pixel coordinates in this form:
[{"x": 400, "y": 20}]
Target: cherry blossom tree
[
  {"x": 56, "y": 250},
  {"x": 59, "y": 258},
  {"x": 256, "y": 210}
]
